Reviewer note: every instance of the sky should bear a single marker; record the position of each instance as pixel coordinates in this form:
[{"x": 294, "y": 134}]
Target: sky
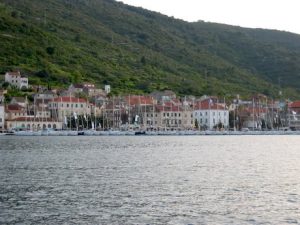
[{"x": 270, "y": 14}]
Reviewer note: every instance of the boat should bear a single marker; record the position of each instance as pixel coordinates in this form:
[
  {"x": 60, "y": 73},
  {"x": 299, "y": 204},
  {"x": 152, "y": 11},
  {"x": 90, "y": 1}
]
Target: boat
[
  {"x": 80, "y": 133},
  {"x": 140, "y": 133}
]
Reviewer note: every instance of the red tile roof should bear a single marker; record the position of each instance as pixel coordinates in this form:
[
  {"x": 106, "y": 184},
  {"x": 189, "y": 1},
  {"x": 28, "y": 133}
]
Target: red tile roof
[
  {"x": 14, "y": 73},
  {"x": 207, "y": 104},
  {"x": 14, "y": 107},
  {"x": 139, "y": 100},
  {"x": 295, "y": 104}
]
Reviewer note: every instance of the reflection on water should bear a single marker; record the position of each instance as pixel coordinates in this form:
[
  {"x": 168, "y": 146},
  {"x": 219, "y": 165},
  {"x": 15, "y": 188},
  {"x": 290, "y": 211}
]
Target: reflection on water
[{"x": 150, "y": 180}]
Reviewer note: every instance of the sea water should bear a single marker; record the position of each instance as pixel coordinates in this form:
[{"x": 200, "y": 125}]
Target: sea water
[{"x": 150, "y": 180}]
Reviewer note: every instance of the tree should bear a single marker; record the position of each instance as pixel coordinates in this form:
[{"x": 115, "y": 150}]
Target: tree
[
  {"x": 143, "y": 60},
  {"x": 5, "y": 85},
  {"x": 50, "y": 50}
]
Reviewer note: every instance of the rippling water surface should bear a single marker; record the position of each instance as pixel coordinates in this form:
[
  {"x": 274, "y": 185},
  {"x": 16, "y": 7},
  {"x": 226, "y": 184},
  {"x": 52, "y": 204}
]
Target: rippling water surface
[{"x": 150, "y": 180}]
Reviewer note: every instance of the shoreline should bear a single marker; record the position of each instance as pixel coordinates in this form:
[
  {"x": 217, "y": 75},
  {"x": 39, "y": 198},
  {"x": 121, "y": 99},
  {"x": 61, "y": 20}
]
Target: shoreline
[{"x": 148, "y": 133}]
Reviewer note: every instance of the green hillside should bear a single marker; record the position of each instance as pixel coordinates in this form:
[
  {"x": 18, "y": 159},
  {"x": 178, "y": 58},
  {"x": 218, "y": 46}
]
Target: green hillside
[{"x": 135, "y": 50}]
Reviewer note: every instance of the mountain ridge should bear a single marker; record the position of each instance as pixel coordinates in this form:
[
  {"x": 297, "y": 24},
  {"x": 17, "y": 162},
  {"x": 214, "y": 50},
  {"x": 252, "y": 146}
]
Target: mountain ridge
[{"x": 136, "y": 50}]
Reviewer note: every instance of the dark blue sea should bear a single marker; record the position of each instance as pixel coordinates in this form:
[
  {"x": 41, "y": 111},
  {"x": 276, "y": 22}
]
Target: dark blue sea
[{"x": 150, "y": 180}]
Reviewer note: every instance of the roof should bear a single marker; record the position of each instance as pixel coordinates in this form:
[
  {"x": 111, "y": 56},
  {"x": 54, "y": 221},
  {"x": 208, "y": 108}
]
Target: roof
[
  {"x": 14, "y": 107},
  {"x": 295, "y": 104},
  {"x": 139, "y": 100},
  {"x": 208, "y": 105},
  {"x": 69, "y": 99},
  {"x": 14, "y": 73}
]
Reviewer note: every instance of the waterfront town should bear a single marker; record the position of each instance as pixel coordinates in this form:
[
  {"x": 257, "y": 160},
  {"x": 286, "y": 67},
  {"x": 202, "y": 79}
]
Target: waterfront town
[{"x": 84, "y": 106}]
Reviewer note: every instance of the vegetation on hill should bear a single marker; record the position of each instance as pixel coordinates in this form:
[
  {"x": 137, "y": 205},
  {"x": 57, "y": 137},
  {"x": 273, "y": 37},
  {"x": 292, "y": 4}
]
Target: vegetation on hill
[{"x": 62, "y": 41}]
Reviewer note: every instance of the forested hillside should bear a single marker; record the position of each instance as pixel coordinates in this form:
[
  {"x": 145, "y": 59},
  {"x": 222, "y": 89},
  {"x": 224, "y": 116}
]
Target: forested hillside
[{"x": 135, "y": 50}]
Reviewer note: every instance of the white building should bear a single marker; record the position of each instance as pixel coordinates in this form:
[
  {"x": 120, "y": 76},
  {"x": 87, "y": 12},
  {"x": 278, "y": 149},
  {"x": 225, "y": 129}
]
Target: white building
[
  {"x": 209, "y": 115},
  {"x": 107, "y": 89},
  {"x": 15, "y": 79},
  {"x": 32, "y": 123},
  {"x": 2, "y": 117}
]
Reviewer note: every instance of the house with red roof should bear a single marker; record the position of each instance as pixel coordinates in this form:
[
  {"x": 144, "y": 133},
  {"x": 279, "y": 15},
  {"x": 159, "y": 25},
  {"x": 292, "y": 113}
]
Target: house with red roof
[
  {"x": 13, "y": 111},
  {"x": 63, "y": 107},
  {"x": 209, "y": 114},
  {"x": 166, "y": 116}
]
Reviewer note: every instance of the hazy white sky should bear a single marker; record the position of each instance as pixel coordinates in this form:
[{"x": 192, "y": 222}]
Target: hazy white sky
[{"x": 271, "y": 14}]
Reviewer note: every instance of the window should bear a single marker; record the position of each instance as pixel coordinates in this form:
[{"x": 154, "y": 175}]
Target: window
[
  {"x": 76, "y": 105},
  {"x": 0, "y": 120},
  {"x": 214, "y": 113},
  {"x": 201, "y": 121},
  {"x": 179, "y": 114},
  {"x": 164, "y": 114},
  {"x": 67, "y": 105},
  {"x": 81, "y": 105},
  {"x": 175, "y": 114},
  {"x": 168, "y": 114},
  {"x": 205, "y": 113}
]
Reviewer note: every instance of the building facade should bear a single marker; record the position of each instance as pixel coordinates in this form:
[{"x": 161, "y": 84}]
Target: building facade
[
  {"x": 209, "y": 115},
  {"x": 33, "y": 123},
  {"x": 62, "y": 107}
]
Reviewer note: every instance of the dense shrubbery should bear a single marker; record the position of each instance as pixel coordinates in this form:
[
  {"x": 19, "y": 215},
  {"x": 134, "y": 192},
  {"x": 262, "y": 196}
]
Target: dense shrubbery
[{"x": 103, "y": 41}]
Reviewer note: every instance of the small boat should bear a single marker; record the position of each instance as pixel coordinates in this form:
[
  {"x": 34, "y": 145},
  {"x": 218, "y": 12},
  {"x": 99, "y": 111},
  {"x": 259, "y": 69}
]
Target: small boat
[
  {"x": 140, "y": 133},
  {"x": 80, "y": 133},
  {"x": 9, "y": 133}
]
